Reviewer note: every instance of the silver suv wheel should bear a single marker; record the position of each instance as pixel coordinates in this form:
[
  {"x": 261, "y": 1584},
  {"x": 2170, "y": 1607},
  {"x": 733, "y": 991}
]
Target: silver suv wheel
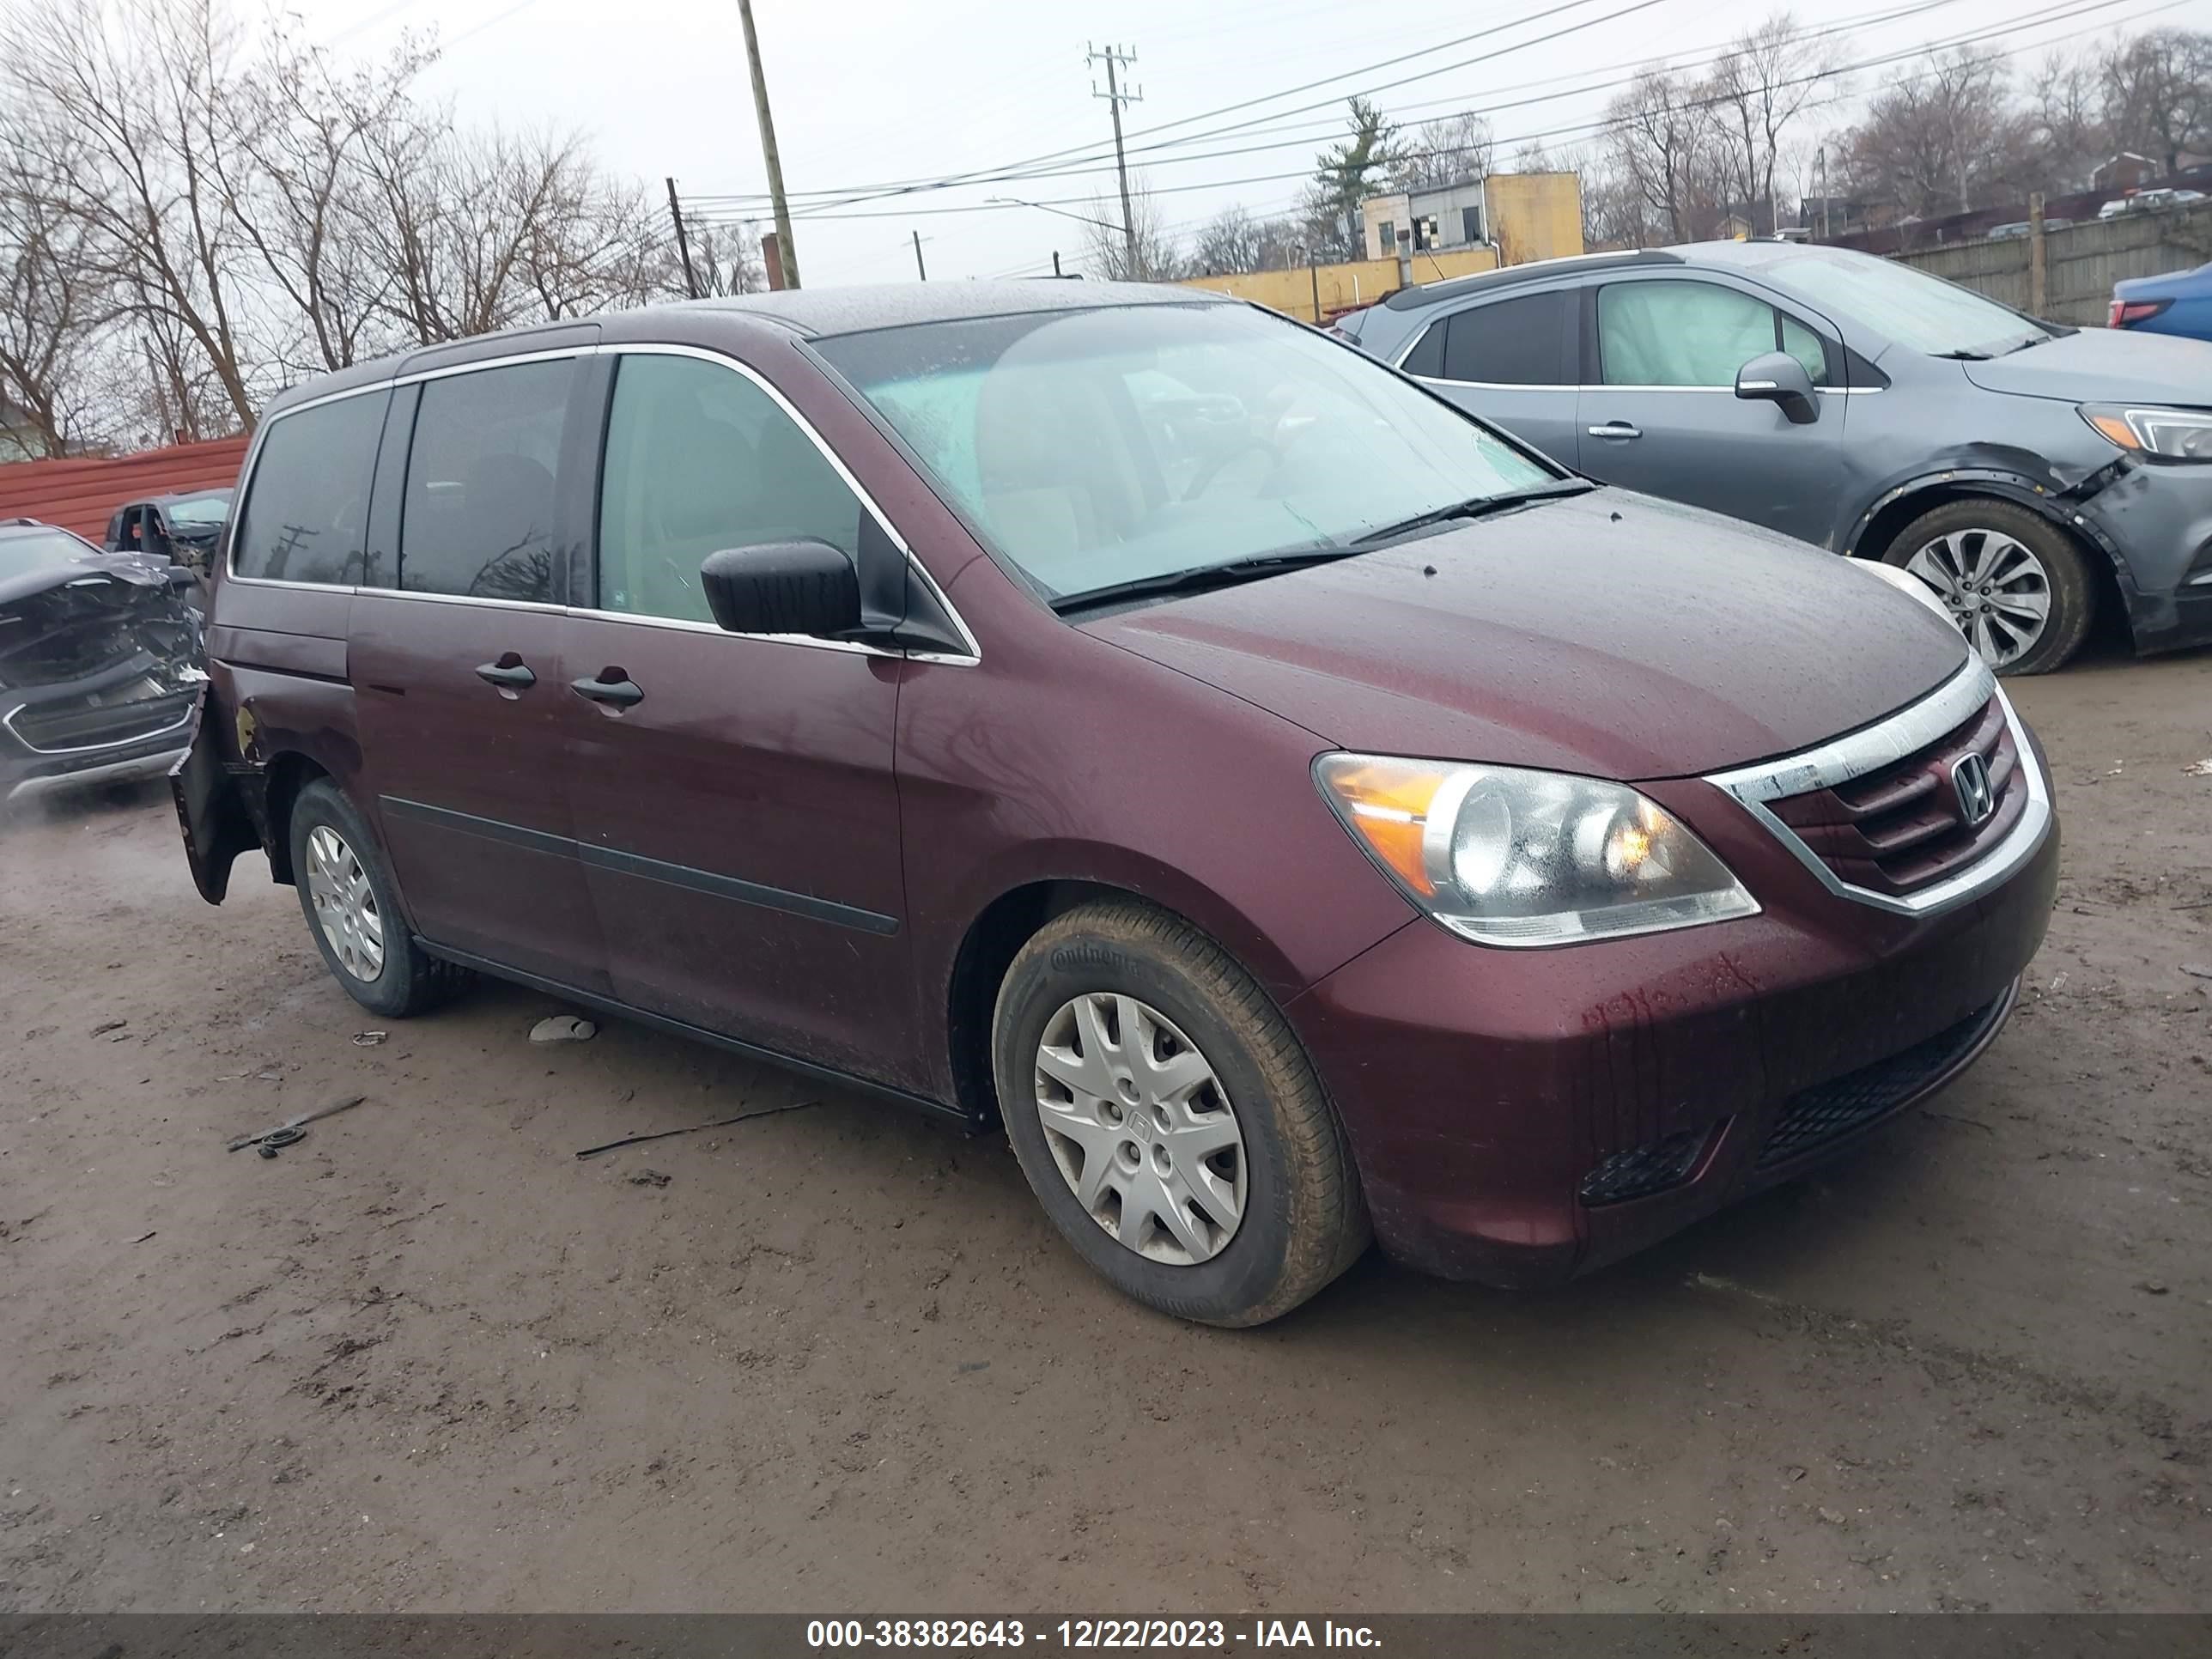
[
  {"x": 1994, "y": 587},
  {"x": 1140, "y": 1128}
]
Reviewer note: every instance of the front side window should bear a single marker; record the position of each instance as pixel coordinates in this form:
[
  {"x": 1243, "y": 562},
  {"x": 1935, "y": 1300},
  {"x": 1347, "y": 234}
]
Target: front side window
[
  {"x": 1675, "y": 333},
  {"x": 700, "y": 459},
  {"x": 1100, "y": 447},
  {"x": 477, "y": 521},
  {"x": 308, "y": 509},
  {"x": 1516, "y": 341}
]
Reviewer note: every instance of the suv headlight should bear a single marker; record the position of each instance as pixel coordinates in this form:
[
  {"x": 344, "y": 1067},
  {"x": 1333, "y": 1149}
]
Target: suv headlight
[
  {"x": 2170, "y": 434},
  {"x": 1507, "y": 856}
]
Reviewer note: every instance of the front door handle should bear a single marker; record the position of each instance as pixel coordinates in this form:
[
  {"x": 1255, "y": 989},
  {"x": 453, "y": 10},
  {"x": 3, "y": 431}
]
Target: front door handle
[
  {"x": 610, "y": 685},
  {"x": 510, "y": 674},
  {"x": 1616, "y": 429}
]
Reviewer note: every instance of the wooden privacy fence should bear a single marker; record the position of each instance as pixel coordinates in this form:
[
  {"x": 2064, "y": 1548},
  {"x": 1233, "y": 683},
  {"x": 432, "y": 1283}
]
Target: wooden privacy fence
[{"x": 2079, "y": 265}]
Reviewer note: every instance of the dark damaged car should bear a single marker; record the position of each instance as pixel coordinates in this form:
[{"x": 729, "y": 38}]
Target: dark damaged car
[
  {"x": 2029, "y": 473},
  {"x": 99, "y": 662}
]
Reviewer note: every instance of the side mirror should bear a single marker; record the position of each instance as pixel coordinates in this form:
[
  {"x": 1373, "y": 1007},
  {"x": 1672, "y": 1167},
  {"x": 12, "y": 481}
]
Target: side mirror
[
  {"x": 183, "y": 575},
  {"x": 783, "y": 587},
  {"x": 1779, "y": 379}
]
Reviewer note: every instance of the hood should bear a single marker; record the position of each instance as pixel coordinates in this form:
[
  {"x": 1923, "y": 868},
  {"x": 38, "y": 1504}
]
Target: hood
[
  {"x": 72, "y": 621},
  {"x": 1606, "y": 633},
  {"x": 2103, "y": 365}
]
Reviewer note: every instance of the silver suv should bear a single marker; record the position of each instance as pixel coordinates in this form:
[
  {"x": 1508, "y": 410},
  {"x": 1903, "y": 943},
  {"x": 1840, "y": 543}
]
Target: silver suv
[{"x": 2026, "y": 472}]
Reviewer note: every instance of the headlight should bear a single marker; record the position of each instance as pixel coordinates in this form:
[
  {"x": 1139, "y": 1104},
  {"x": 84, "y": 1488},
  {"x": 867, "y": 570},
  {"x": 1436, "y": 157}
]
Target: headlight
[
  {"x": 1507, "y": 856},
  {"x": 2171, "y": 434}
]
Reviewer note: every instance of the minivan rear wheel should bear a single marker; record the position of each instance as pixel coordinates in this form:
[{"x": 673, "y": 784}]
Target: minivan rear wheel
[
  {"x": 353, "y": 910},
  {"x": 1169, "y": 1120},
  {"x": 2014, "y": 583}
]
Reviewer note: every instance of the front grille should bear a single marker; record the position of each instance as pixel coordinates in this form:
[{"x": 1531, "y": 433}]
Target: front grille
[
  {"x": 1642, "y": 1171},
  {"x": 1902, "y": 827},
  {"x": 92, "y": 723},
  {"x": 1858, "y": 1098}
]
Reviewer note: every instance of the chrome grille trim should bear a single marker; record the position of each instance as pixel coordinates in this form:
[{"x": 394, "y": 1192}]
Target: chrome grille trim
[{"x": 1901, "y": 736}]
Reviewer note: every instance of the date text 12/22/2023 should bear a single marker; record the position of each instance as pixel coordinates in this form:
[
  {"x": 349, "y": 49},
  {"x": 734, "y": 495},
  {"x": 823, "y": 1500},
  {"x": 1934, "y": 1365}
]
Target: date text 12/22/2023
[{"x": 1079, "y": 1634}]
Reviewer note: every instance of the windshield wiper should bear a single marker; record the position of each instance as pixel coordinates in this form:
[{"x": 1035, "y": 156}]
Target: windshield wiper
[
  {"x": 1963, "y": 356},
  {"x": 1477, "y": 507},
  {"x": 1200, "y": 579}
]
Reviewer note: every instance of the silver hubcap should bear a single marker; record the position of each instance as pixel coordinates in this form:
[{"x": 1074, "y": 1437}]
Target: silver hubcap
[
  {"x": 1140, "y": 1128},
  {"x": 1997, "y": 590},
  {"x": 344, "y": 903}
]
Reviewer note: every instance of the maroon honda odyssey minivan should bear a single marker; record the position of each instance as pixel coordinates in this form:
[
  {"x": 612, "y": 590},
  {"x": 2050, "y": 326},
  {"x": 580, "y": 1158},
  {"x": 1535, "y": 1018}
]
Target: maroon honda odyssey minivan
[{"x": 1295, "y": 811}]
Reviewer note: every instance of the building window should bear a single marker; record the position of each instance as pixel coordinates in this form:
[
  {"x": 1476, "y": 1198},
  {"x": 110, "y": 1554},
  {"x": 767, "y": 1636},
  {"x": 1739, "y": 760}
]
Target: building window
[
  {"x": 1470, "y": 224},
  {"x": 1389, "y": 237}
]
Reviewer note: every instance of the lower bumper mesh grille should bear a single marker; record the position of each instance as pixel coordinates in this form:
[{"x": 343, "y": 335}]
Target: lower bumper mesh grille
[{"x": 1833, "y": 1108}]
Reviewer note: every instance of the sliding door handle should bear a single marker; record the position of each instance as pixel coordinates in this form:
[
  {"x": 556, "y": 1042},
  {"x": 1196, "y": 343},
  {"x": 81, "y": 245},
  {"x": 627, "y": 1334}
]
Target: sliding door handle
[
  {"x": 621, "y": 691},
  {"x": 1619, "y": 430}
]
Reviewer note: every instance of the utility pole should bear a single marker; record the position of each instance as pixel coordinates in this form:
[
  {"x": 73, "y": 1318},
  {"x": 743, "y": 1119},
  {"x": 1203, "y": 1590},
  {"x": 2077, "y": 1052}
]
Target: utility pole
[
  {"x": 1117, "y": 96},
  {"x": 919, "y": 269},
  {"x": 683, "y": 243},
  {"x": 1825, "y": 235},
  {"x": 784, "y": 251}
]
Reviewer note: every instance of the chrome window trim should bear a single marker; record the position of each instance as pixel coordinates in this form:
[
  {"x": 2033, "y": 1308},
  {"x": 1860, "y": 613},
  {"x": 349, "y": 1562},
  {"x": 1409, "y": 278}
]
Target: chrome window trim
[
  {"x": 1904, "y": 733},
  {"x": 688, "y": 625},
  {"x": 968, "y": 659}
]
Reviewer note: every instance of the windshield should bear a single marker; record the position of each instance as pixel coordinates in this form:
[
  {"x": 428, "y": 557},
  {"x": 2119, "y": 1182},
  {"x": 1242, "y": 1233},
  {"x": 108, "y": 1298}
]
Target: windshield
[
  {"x": 1094, "y": 448},
  {"x": 38, "y": 549},
  {"x": 199, "y": 511},
  {"x": 1919, "y": 312}
]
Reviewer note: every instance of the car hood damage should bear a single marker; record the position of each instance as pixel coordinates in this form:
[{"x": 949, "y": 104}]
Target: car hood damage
[
  {"x": 1609, "y": 634},
  {"x": 92, "y": 616}
]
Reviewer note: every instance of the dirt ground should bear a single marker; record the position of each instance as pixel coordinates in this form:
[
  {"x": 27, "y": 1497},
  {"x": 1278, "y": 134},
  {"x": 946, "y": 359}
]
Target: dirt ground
[{"x": 835, "y": 1361}]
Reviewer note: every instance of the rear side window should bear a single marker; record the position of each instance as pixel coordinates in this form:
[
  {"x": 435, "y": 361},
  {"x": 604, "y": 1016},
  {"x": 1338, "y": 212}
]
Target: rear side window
[
  {"x": 305, "y": 516},
  {"x": 1693, "y": 334},
  {"x": 478, "y": 518},
  {"x": 1515, "y": 342},
  {"x": 1427, "y": 357},
  {"x": 700, "y": 459}
]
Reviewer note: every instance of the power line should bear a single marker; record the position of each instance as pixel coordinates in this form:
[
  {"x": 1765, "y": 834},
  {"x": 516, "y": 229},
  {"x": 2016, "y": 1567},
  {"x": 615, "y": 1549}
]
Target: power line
[
  {"x": 855, "y": 194},
  {"x": 982, "y": 174},
  {"x": 2056, "y": 13}
]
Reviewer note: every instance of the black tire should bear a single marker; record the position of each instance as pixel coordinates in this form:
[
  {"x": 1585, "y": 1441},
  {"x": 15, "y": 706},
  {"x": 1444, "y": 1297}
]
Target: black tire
[
  {"x": 409, "y": 982},
  {"x": 1304, "y": 1220},
  {"x": 2073, "y": 593}
]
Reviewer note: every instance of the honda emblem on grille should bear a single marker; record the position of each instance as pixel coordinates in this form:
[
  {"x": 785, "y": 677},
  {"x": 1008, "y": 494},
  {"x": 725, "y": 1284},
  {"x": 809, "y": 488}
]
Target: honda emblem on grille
[{"x": 1977, "y": 800}]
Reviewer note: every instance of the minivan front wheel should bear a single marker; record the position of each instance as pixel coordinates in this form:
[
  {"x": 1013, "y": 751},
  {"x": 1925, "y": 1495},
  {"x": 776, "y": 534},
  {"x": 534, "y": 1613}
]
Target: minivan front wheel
[
  {"x": 1168, "y": 1120},
  {"x": 353, "y": 910},
  {"x": 2014, "y": 583}
]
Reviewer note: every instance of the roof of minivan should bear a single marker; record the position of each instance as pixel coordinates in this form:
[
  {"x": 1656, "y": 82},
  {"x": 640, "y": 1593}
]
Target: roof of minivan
[
  {"x": 816, "y": 311},
  {"x": 808, "y": 311}
]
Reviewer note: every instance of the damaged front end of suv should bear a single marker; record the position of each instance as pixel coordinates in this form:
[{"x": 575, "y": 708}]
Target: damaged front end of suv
[{"x": 99, "y": 663}]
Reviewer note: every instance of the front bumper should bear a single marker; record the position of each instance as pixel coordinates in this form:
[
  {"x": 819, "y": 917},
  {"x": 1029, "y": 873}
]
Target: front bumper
[
  {"x": 105, "y": 744},
  {"x": 1482, "y": 1089},
  {"x": 2157, "y": 520}
]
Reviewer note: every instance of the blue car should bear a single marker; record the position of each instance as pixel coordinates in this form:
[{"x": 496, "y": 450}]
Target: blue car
[{"x": 2179, "y": 304}]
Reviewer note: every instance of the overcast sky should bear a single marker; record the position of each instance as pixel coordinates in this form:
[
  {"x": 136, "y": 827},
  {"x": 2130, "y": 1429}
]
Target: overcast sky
[{"x": 867, "y": 92}]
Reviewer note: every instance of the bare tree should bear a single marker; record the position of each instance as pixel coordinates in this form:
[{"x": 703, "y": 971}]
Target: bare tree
[
  {"x": 51, "y": 306},
  {"x": 1661, "y": 140},
  {"x": 2158, "y": 94},
  {"x": 1236, "y": 241},
  {"x": 1442, "y": 152},
  {"x": 2071, "y": 133},
  {"x": 1759, "y": 90},
  {"x": 726, "y": 259},
  {"x": 1155, "y": 259},
  {"x": 1943, "y": 139},
  {"x": 127, "y": 108}
]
